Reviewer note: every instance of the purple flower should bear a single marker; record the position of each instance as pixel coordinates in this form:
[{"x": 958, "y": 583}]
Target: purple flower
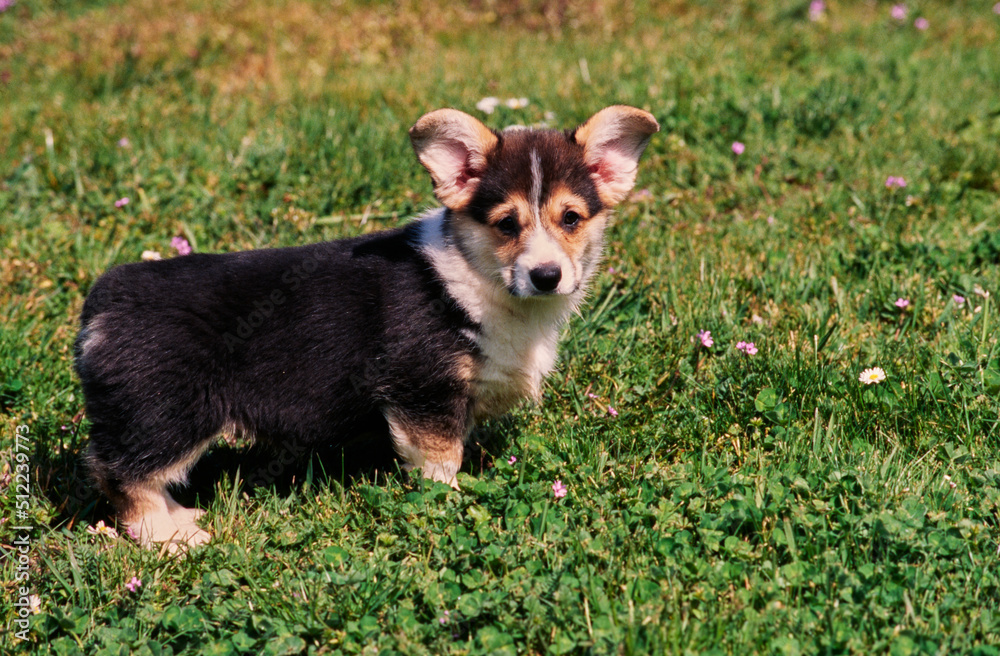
[
  {"x": 5, "y": 5},
  {"x": 746, "y": 347},
  {"x": 706, "y": 338},
  {"x": 181, "y": 245},
  {"x": 816, "y": 9},
  {"x": 921, "y": 23},
  {"x": 895, "y": 182},
  {"x": 612, "y": 411},
  {"x": 121, "y": 202},
  {"x": 559, "y": 489},
  {"x": 738, "y": 147},
  {"x": 959, "y": 300},
  {"x": 134, "y": 584},
  {"x": 902, "y": 303},
  {"x": 898, "y": 12}
]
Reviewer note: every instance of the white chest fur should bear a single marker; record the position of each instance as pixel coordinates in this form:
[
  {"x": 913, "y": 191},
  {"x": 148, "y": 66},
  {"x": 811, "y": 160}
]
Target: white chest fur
[{"x": 518, "y": 350}]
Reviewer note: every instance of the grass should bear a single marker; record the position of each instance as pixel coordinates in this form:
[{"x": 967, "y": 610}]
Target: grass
[{"x": 730, "y": 504}]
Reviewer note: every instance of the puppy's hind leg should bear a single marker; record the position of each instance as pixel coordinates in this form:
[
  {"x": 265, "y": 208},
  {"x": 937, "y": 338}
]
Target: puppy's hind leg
[
  {"x": 148, "y": 509},
  {"x": 157, "y": 517}
]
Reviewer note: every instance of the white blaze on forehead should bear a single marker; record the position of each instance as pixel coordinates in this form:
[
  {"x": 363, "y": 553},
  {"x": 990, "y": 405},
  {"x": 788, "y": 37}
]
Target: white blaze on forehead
[{"x": 536, "y": 185}]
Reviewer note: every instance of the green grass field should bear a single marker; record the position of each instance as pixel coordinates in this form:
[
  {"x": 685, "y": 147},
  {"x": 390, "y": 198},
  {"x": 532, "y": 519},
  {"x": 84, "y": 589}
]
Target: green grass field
[{"x": 718, "y": 502}]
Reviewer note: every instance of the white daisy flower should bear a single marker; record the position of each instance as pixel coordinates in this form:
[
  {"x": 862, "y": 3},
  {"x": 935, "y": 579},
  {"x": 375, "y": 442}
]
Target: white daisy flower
[
  {"x": 488, "y": 104},
  {"x": 872, "y": 376}
]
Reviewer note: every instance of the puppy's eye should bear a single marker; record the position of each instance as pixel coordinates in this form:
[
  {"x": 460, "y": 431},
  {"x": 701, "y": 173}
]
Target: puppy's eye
[
  {"x": 508, "y": 225},
  {"x": 571, "y": 218}
]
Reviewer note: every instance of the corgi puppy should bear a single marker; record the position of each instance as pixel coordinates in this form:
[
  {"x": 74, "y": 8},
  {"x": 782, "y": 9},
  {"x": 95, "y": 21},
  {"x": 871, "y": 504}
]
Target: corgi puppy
[{"x": 414, "y": 334}]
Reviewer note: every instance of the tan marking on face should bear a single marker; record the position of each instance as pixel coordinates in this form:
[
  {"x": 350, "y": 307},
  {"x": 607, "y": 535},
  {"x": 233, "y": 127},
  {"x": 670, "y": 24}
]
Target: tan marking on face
[
  {"x": 573, "y": 240},
  {"x": 508, "y": 248}
]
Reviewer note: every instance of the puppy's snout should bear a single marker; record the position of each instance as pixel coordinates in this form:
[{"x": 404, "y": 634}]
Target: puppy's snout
[{"x": 546, "y": 277}]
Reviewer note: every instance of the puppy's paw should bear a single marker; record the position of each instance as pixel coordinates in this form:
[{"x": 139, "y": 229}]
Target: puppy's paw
[
  {"x": 176, "y": 529},
  {"x": 446, "y": 472},
  {"x": 187, "y": 537},
  {"x": 182, "y": 515}
]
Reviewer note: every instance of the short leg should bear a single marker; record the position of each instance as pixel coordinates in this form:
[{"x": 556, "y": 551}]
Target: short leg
[
  {"x": 154, "y": 409},
  {"x": 145, "y": 505},
  {"x": 434, "y": 447},
  {"x": 154, "y": 516}
]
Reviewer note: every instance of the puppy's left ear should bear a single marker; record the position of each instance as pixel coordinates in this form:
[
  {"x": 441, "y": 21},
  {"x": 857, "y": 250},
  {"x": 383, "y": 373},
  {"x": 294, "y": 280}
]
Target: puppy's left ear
[
  {"x": 453, "y": 147},
  {"x": 613, "y": 140}
]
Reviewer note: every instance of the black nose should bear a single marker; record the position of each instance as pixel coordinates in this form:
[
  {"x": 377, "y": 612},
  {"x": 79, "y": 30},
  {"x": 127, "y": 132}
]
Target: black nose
[{"x": 546, "y": 277}]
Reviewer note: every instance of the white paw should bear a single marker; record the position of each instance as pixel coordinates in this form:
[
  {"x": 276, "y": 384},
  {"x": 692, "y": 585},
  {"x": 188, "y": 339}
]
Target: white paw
[
  {"x": 182, "y": 515},
  {"x": 187, "y": 537},
  {"x": 442, "y": 472},
  {"x": 176, "y": 529}
]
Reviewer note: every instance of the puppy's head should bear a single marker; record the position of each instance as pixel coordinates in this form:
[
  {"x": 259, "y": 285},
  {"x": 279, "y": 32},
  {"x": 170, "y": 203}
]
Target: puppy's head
[{"x": 528, "y": 208}]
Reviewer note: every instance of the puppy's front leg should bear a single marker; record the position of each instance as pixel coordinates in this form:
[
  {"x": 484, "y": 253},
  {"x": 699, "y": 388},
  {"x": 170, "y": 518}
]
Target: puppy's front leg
[{"x": 432, "y": 444}]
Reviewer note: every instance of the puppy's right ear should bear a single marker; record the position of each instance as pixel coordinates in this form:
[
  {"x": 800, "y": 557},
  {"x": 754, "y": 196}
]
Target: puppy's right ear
[{"x": 453, "y": 147}]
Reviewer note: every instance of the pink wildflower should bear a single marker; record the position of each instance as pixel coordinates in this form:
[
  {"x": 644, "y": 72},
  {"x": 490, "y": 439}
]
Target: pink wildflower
[
  {"x": 558, "y": 489},
  {"x": 921, "y": 23},
  {"x": 898, "y": 12},
  {"x": 122, "y": 202},
  {"x": 706, "y": 338},
  {"x": 738, "y": 147},
  {"x": 816, "y": 9},
  {"x": 996, "y": 8},
  {"x": 134, "y": 584},
  {"x": 612, "y": 411},
  {"x": 512, "y": 460},
  {"x": 895, "y": 182},
  {"x": 902, "y": 303},
  {"x": 5, "y": 5},
  {"x": 958, "y": 300},
  {"x": 181, "y": 245},
  {"x": 746, "y": 347},
  {"x": 124, "y": 142}
]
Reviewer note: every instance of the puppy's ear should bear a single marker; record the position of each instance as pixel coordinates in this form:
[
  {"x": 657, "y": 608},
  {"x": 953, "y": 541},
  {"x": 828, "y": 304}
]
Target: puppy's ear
[
  {"x": 613, "y": 140},
  {"x": 453, "y": 147}
]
